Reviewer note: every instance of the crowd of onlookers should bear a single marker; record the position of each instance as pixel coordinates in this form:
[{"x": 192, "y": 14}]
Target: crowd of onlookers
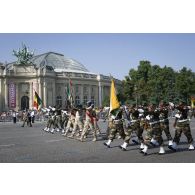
[{"x": 17, "y": 116}]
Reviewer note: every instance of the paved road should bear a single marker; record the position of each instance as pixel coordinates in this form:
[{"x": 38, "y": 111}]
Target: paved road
[{"x": 31, "y": 144}]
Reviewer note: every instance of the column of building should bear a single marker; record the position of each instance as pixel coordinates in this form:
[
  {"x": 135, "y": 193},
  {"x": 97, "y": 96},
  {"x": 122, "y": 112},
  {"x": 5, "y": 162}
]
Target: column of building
[
  {"x": 31, "y": 101},
  {"x": 81, "y": 94},
  {"x": 45, "y": 92},
  {"x": 6, "y": 94},
  {"x": 54, "y": 93},
  {"x": 100, "y": 93},
  {"x": 17, "y": 96}
]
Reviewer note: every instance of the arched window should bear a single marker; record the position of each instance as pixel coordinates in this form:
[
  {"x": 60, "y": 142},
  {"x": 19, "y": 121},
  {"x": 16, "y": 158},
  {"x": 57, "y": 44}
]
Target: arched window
[
  {"x": 59, "y": 101},
  {"x": 77, "y": 100},
  {"x": 85, "y": 100}
]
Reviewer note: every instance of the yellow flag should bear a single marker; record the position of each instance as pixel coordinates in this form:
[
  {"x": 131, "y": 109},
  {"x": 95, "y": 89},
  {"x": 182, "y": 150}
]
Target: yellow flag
[
  {"x": 192, "y": 102},
  {"x": 114, "y": 103}
]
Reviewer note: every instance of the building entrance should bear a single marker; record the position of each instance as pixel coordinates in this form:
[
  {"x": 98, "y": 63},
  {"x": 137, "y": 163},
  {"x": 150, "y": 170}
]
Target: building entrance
[{"x": 24, "y": 102}]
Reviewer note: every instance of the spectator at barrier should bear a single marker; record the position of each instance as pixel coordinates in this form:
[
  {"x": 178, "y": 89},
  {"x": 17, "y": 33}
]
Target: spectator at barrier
[{"x": 14, "y": 116}]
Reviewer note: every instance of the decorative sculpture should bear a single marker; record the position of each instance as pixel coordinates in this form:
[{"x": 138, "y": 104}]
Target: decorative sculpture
[{"x": 24, "y": 55}]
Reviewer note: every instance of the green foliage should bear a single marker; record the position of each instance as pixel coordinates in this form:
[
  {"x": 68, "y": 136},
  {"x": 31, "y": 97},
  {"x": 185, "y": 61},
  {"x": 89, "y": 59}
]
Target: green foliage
[{"x": 153, "y": 83}]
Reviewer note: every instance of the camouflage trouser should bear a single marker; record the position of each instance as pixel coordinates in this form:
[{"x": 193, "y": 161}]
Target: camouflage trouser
[
  {"x": 62, "y": 122},
  {"x": 78, "y": 123},
  {"x": 185, "y": 129},
  {"x": 50, "y": 122},
  {"x": 88, "y": 124},
  {"x": 110, "y": 126},
  {"x": 96, "y": 126},
  {"x": 57, "y": 122},
  {"x": 135, "y": 127},
  {"x": 70, "y": 123},
  {"x": 165, "y": 127},
  {"x": 25, "y": 121},
  {"x": 153, "y": 131},
  {"x": 116, "y": 128}
]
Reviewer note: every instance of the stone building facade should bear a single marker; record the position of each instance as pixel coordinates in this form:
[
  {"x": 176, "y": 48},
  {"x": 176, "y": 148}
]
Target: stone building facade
[{"x": 49, "y": 75}]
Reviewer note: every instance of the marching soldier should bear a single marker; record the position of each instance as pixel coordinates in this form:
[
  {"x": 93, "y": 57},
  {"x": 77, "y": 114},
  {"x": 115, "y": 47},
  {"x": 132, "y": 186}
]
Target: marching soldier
[
  {"x": 25, "y": 118},
  {"x": 153, "y": 130},
  {"x": 71, "y": 121},
  {"x": 52, "y": 118},
  {"x": 89, "y": 123},
  {"x": 78, "y": 121},
  {"x": 116, "y": 127},
  {"x": 58, "y": 120},
  {"x": 95, "y": 114},
  {"x": 64, "y": 120},
  {"x": 133, "y": 126},
  {"x": 182, "y": 125},
  {"x": 164, "y": 122}
]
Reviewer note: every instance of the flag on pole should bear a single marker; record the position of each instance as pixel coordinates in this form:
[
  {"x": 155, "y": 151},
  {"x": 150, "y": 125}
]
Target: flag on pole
[
  {"x": 192, "y": 102},
  {"x": 70, "y": 92},
  {"x": 114, "y": 103},
  {"x": 37, "y": 101}
]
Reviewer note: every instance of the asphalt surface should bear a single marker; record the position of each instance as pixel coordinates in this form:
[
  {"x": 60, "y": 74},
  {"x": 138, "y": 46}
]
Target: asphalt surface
[{"x": 33, "y": 145}]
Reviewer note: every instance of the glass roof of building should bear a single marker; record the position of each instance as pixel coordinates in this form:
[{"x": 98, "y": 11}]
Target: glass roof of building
[{"x": 58, "y": 61}]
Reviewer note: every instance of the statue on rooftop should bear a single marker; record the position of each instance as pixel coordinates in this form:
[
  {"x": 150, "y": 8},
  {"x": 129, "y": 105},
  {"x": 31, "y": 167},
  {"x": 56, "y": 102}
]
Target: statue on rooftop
[{"x": 24, "y": 55}]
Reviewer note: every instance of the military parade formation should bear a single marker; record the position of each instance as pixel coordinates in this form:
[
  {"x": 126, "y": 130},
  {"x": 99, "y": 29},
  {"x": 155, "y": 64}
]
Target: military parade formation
[{"x": 143, "y": 125}]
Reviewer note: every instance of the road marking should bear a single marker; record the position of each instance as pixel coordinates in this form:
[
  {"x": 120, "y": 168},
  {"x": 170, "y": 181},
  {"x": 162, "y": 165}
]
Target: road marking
[
  {"x": 8, "y": 145},
  {"x": 54, "y": 140}
]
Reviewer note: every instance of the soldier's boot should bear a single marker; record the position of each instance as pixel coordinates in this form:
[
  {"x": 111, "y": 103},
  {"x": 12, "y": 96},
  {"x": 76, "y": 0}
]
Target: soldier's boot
[
  {"x": 141, "y": 146},
  {"x": 144, "y": 151},
  {"x": 52, "y": 131},
  {"x": 173, "y": 147},
  {"x": 47, "y": 130},
  {"x": 98, "y": 132},
  {"x": 108, "y": 143},
  {"x": 94, "y": 139},
  {"x": 191, "y": 147},
  {"x": 81, "y": 138},
  {"x": 170, "y": 142},
  {"x": 154, "y": 143},
  {"x": 124, "y": 146},
  {"x": 162, "y": 151},
  {"x": 66, "y": 132},
  {"x": 57, "y": 129}
]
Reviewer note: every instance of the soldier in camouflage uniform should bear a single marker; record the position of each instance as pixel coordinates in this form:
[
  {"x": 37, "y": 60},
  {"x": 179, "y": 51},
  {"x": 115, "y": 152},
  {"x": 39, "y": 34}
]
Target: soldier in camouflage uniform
[
  {"x": 116, "y": 126},
  {"x": 58, "y": 120},
  {"x": 71, "y": 121},
  {"x": 64, "y": 121},
  {"x": 134, "y": 126},
  {"x": 25, "y": 118},
  {"x": 89, "y": 123},
  {"x": 182, "y": 125},
  {"x": 51, "y": 120},
  {"x": 164, "y": 121},
  {"x": 78, "y": 121},
  {"x": 153, "y": 130}
]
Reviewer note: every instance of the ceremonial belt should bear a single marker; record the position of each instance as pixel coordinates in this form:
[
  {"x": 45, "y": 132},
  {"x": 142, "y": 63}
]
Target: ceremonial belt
[
  {"x": 184, "y": 120},
  {"x": 133, "y": 121}
]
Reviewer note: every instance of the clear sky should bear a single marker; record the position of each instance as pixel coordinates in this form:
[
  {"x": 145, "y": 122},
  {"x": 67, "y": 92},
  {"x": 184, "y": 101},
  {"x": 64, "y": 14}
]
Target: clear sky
[{"x": 108, "y": 53}]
